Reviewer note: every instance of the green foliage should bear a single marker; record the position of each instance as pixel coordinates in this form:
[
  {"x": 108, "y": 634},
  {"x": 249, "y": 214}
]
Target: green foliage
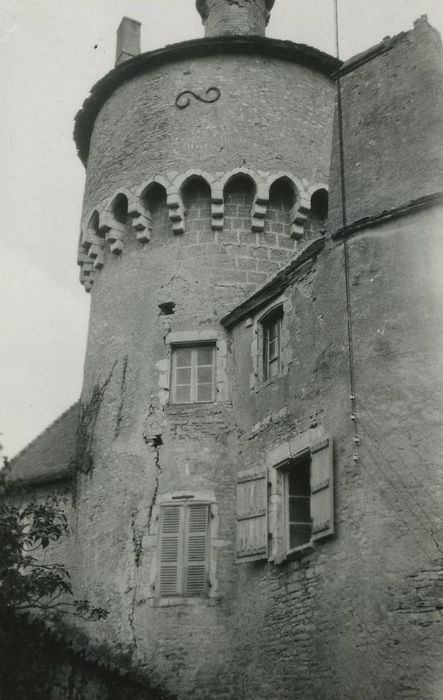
[{"x": 26, "y": 580}]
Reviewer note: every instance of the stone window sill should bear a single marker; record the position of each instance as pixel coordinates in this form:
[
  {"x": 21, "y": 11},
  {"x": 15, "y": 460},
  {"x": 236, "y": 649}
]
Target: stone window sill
[
  {"x": 295, "y": 554},
  {"x": 269, "y": 382},
  {"x": 171, "y": 408},
  {"x": 175, "y": 602}
]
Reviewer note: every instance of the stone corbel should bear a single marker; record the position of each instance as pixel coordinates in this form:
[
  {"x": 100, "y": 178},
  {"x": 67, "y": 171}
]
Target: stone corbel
[
  {"x": 176, "y": 212},
  {"x": 217, "y": 208},
  {"x": 142, "y": 226},
  {"x": 86, "y": 272},
  {"x": 113, "y": 231},
  {"x": 299, "y": 216},
  {"x": 140, "y": 221},
  {"x": 94, "y": 245},
  {"x": 259, "y": 208},
  {"x": 99, "y": 259}
]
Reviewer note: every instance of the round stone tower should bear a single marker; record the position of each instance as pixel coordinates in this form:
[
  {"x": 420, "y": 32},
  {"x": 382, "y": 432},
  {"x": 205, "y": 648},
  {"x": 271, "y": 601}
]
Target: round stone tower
[
  {"x": 245, "y": 17},
  {"x": 201, "y": 159}
]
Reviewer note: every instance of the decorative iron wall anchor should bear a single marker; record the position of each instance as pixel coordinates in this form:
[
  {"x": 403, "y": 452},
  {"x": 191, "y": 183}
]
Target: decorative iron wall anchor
[{"x": 183, "y": 100}]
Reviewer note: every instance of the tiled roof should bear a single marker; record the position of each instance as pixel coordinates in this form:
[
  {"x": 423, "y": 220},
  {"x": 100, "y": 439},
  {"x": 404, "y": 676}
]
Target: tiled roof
[{"x": 49, "y": 457}]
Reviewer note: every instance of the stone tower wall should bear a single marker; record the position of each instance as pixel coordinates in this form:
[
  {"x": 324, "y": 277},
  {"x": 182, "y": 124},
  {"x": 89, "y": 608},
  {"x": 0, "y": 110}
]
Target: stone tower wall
[
  {"x": 257, "y": 122},
  {"x": 218, "y": 193}
]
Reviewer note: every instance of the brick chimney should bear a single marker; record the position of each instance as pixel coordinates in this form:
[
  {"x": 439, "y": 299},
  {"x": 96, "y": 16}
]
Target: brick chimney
[
  {"x": 235, "y": 17},
  {"x": 128, "y": 40}
]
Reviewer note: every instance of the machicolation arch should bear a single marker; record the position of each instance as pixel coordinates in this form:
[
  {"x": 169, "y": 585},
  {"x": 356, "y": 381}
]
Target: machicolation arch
[{"x": 163, "y": 205}]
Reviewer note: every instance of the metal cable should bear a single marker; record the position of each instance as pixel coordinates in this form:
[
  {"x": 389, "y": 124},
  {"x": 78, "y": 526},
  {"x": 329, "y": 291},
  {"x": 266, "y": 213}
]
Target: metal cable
[{"x": 353, "y": 398}]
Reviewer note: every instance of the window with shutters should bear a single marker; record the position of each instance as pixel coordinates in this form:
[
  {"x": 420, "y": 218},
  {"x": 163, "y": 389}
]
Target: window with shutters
[
  {"x": 193, "y": 373},
  {"x": 284, "y": 509},
  {"x": 183, "y": 550},
  {"x": 297, "y": 521},
  {"x": 303, "y": 484}
]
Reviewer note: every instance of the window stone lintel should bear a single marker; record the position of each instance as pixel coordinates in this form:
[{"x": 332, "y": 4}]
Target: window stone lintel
[
  {"x": 187, "y": 497},
  {"x": 294, "y": 446},
  {"x": 205, "y": 335}
]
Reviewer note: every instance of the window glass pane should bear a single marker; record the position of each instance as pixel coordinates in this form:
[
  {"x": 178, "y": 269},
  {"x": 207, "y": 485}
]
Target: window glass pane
[
  {"x": 205, "y": 355},
  {"x": 298, "y": 535},
  {"x": 299, "y": 509},
  {"x": 204, "y": 392},
  {"x": 182, "y": 394},
  {"x": 204, "y": 375},
  {"x": 271, "y": 345},
  {"x": 273, "y": 369},
  {"x": 273, "y": 350},
  {"x": 299, "y": 479},
  {"x": 183, "y": 357},
  {"x": 273, "y": 330},
  {"x": 183, "y": 375}
]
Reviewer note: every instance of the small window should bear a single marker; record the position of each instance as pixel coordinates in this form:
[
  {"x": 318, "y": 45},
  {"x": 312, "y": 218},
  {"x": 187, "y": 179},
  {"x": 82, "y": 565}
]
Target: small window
[
  {"x": 193, "y": 371},
  {"x": 297, "y": 503},
  {"x": 271, "y": 326},
  {"x": 184, "y": 537}
]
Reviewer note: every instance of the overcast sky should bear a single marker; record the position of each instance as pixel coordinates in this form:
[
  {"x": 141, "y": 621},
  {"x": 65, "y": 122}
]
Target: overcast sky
[{"x": 52, "y": 52}]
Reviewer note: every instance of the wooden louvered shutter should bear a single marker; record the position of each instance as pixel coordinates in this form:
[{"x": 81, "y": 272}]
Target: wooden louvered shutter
[
  {"x": 171, "y": 565},
  {"x": 252, "y": 516},
  {"x": 322, "y": 489},
  {"x": 196, "y": 550}
]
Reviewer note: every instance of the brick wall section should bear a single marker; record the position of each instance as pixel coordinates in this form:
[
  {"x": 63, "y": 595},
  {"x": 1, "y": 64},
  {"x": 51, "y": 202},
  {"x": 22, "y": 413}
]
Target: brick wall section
[
  {"x": 256, "y": 255},
  {"x": 393, "y": 127},
  {"x": 225, "y": 17},
  {"x": 161, "y": 225}
]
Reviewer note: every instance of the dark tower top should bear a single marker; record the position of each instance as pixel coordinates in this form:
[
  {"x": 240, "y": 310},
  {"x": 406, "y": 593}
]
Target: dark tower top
[{"x": 235, "y": 17}]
